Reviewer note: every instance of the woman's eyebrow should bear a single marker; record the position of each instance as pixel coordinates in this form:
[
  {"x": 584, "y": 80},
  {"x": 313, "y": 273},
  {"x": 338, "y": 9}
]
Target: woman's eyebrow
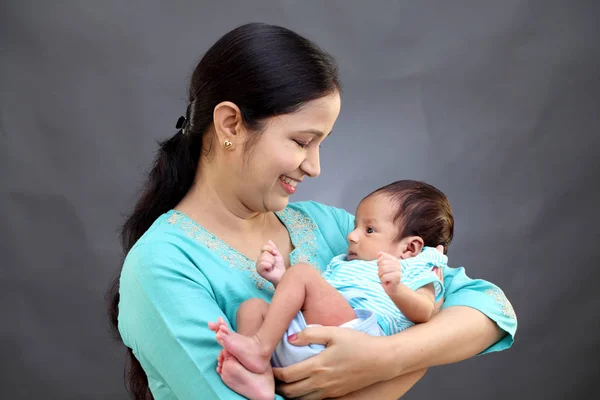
[{"x": 315, "y": 132}]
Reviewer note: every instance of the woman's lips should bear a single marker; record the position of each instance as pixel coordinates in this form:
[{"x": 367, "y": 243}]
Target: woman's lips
[{"x": 288, "y": 184}]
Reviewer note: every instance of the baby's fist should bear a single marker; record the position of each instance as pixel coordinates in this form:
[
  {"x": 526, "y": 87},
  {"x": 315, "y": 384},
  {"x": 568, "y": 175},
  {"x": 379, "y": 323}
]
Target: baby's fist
[
  {"x": 270, "y": 264},
  {"x": 390, "y": 272}
]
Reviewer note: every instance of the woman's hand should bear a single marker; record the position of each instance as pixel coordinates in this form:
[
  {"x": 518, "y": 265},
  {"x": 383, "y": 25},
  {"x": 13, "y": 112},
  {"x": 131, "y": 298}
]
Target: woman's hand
[{"x": 352, "y": 361}]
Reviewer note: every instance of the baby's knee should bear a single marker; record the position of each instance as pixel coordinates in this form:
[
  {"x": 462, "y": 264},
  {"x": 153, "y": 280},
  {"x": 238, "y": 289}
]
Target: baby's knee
[
  {"x": 302, "y": 272},
  {"x": 253, "y": 305},
  {"x": 303, "y": 268}
]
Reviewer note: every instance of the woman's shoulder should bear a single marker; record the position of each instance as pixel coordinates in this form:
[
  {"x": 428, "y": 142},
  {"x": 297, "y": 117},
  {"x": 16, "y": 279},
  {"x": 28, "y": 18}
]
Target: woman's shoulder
[
  {"x": 164, "y": 245},
  {"x": 163, "y": 233}
]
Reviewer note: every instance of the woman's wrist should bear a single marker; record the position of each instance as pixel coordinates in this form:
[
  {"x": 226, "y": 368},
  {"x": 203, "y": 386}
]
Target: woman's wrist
[{"x": 389, "y": 358}]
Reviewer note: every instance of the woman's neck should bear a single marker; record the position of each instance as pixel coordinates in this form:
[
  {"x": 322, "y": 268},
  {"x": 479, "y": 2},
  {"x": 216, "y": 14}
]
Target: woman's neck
[{"x": 216, "y": 208}]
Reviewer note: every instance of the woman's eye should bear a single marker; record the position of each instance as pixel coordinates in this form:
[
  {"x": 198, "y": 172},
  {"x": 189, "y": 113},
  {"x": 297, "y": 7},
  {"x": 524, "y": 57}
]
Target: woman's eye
[
  {"x": 301, "y": 144},
  {"x": 370, "y": 230}
]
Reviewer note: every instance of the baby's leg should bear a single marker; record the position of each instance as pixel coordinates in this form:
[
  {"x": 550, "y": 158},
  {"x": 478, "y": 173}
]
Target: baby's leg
[
  {"x": 301, "y": 289},
  {"x": 253, "y": 386},
  {"x": 250, "y": 316}
]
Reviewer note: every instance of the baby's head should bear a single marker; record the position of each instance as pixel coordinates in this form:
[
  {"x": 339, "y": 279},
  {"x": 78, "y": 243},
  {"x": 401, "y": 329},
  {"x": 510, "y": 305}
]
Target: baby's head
[{"x": 400, "y": 219}]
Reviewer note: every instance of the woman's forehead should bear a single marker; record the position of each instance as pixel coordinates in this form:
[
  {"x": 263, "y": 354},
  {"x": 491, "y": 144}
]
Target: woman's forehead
[{"x": 316, "y": 117}]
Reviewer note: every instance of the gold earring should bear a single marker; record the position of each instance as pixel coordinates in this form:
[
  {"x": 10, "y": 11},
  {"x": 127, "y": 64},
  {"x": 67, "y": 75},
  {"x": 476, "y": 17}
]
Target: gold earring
[{"x": 227, "y": 144}]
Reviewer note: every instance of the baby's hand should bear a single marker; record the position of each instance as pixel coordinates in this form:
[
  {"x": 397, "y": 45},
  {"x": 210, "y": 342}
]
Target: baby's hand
[
  {"x": 270, "y": 264},
  {"x": 390, "y": 272}
]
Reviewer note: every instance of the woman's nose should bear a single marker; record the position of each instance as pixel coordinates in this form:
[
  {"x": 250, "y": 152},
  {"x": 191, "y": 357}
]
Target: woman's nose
[{"x": 311, "y": 164}]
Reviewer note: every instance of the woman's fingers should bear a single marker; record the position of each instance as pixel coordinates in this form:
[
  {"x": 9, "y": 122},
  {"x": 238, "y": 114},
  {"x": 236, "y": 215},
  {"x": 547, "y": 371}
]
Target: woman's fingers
[
  {"x": 313, "y": 335},
  {"x": 295, "y": 372},
  {"x": 298, "y": 390}
]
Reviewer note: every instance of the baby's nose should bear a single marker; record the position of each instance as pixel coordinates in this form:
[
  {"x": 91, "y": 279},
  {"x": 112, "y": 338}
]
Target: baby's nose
[{"x": 353, "y": 236}]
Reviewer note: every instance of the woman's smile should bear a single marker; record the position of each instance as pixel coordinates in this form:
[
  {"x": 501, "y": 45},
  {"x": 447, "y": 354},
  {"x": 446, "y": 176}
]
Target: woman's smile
[{"x": 288, "y": 184}]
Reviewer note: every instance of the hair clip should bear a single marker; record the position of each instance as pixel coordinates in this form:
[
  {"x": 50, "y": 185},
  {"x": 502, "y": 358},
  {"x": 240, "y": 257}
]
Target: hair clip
[{"x": 180, "y": 122}]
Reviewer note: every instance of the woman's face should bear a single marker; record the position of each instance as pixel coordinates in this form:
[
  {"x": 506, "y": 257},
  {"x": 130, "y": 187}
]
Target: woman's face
[{"x": 286, "y": 152}]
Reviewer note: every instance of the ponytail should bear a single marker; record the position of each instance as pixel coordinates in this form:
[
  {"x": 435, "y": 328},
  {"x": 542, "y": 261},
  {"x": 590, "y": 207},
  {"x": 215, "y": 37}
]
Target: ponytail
[{"x": 171, "y": 177}]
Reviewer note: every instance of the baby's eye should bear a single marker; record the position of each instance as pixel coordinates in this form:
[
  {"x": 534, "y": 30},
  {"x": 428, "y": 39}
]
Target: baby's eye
[{"x": 370, "y": 230}]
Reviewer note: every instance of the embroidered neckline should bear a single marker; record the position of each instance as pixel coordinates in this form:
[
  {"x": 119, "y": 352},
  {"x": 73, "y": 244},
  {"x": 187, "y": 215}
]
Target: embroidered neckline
[{"x": 301, "y": 228}]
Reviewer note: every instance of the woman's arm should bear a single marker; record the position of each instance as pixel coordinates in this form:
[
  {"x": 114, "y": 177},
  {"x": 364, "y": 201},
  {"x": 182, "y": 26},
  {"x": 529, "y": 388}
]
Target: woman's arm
[
  {"x": 397, "y": 387},
  {"x": 166, "y": 304},
  {"x": 476, "y": 318},
  {"x": 392, "y": 389},
  {"x": 354, "y": 360},
  {"x": 466, "y": 333}
]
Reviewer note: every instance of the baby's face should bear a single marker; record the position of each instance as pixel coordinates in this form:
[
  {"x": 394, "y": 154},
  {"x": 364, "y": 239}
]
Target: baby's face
[{"x": 374, "y": 230}]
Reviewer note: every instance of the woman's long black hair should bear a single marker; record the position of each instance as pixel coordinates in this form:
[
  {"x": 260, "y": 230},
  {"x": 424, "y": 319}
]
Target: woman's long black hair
[{"x": 266, "y": 71}]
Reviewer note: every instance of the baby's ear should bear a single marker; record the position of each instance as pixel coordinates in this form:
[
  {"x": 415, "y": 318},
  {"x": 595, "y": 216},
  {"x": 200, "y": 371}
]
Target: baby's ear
[{"x": 414, "y": 246}]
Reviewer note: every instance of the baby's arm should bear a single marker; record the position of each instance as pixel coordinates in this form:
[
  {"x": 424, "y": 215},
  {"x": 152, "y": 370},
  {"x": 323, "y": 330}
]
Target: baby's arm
[
  {"x": 416, "y": 305},
  {"x": 270, "y": 264}
]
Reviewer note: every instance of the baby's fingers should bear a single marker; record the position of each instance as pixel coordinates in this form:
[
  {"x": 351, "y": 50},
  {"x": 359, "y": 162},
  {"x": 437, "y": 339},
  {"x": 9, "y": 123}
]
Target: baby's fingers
[
  {"x": 384, "y": 255},
  {"x": 387, "y": 264},
  {"x": 274, "y": 249},
  {"x": 266, "y": 248},
  {"x": 387, "y": 277},
  {"x": 265, "y": 266}
]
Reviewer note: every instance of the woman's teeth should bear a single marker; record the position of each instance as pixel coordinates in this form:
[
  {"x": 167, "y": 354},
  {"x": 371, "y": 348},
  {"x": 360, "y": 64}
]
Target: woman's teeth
[{"x": 288, "y": 180}]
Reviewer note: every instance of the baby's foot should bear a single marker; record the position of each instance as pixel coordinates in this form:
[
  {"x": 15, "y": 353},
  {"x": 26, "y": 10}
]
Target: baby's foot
[
  {"x": 223, "y": 354},
  {"x": 244, "y": 382},
  {"x": 247, "y": 349},
  {"x": 214, "y": 326}
]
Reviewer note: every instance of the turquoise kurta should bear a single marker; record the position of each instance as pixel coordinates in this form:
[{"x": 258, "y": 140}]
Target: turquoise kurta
[{"x": 178, "y": 277}]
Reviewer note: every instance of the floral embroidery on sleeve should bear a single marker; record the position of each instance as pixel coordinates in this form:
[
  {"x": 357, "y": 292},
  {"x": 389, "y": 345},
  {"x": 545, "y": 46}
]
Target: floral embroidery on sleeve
[{"x": 505, "y": 306}]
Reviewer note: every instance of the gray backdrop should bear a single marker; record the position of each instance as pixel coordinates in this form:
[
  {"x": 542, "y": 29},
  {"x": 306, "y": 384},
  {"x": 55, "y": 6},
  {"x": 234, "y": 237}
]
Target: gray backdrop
[{"x": 494, "y": 102}]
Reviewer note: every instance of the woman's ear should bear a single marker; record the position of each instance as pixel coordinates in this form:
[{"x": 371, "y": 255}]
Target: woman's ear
[
  {"x": 411, "y": 246},
  {"x": 227, "y": 119}
]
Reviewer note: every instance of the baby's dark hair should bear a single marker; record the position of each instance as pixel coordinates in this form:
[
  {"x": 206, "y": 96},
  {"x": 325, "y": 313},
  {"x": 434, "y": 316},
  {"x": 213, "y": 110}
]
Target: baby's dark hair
[{"x": 420, "y": 210}]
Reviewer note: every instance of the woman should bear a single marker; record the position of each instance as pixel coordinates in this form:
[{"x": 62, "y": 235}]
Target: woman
[{"x": 261, "y": 102}]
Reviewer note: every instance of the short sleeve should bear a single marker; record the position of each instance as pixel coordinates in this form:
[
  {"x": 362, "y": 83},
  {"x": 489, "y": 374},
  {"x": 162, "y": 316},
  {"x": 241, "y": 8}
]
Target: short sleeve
[
  {"x": 164, "y": 310},
  {"x": 485, "y": 297},
  {"x": 417, "y": 271}
]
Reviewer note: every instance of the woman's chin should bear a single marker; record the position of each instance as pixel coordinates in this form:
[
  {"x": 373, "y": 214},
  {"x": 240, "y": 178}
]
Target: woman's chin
[{"x": 277, "y": 204}]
